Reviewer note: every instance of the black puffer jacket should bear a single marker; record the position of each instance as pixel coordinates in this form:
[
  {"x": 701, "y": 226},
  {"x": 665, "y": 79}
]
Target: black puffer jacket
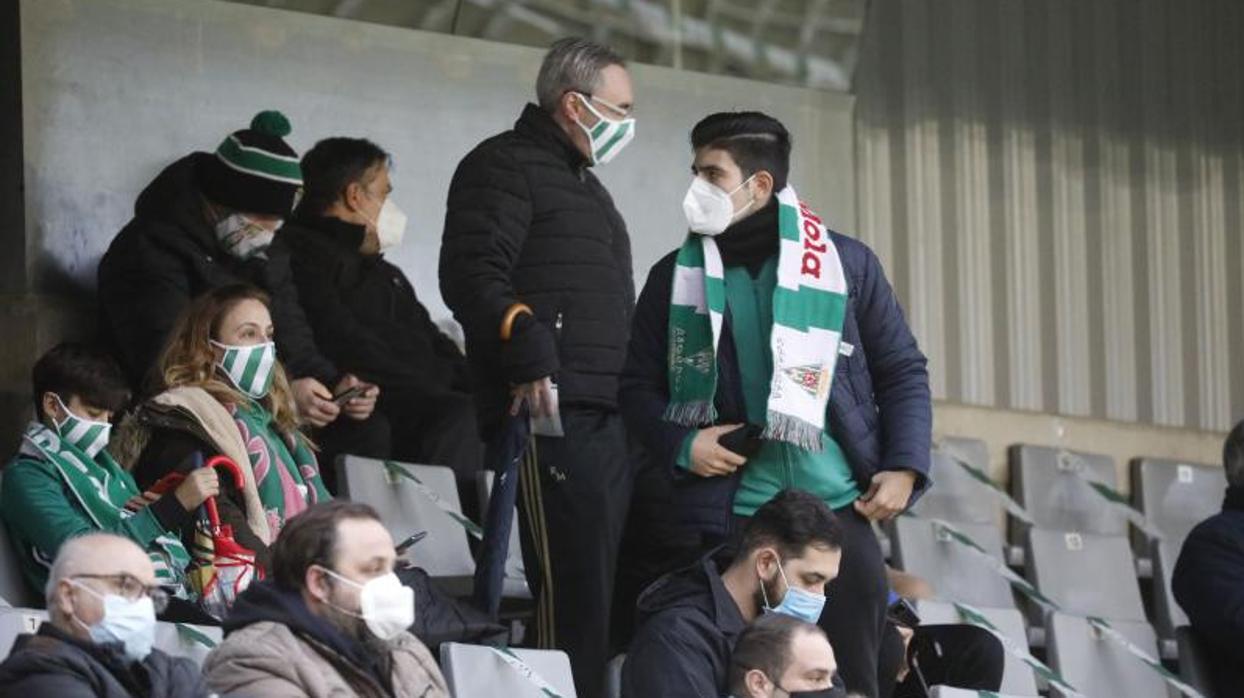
[
  {"x": 51, "y": 663},
  {"x": 528, "y": 222},
  {"x": 168, "y": 255},
  {"x": 365, "y": 313}
]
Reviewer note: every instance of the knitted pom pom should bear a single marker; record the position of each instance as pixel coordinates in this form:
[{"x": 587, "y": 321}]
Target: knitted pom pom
[{"x": 272, "y": 123}]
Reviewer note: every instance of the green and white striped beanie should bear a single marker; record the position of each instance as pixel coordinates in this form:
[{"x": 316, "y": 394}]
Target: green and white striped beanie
[{"x": 254, "y": 170}]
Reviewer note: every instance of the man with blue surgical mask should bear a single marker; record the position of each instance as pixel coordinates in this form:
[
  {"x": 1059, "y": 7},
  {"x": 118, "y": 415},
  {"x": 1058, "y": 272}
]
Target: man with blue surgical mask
[
  {"x": 689, "y": 620},
  {"x": 102, "y": 602},
  {"x": 536, "y": 266}
]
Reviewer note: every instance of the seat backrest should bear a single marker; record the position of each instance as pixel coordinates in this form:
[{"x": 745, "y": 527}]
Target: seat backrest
[
  {"x": 1176, "y": 495},
  {"x": 1085, "y": 574},
  {"x": 949, "y": 692},
  {"x": 18, "y": 621},
  {"x": 1017, "y": 677},
  {"x": 957, "y": 496},
  {"x": 1098, "y": 666},
  {"x": 955, "y": 572},
  {"x": 405, "y": 510},
  {"x": 13, "y": 587},
  {"x": 1054, "y": 492},
  {"x": 1167, "y": 613},
  {"x": 190, "y": 641},
  {"x": 475, "y": 671}
]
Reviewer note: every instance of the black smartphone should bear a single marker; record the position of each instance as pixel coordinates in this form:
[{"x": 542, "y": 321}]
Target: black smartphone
[
  {"x": 744, "y": 441},
  {"x": 349, "y": 394},
  {"x": 410, "y": 540},
  {"x": 904, "y": 614}
]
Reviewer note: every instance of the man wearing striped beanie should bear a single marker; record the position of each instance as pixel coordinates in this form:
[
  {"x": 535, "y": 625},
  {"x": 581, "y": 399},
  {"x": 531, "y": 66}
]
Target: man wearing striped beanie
[{"x": 210, "y": 220}]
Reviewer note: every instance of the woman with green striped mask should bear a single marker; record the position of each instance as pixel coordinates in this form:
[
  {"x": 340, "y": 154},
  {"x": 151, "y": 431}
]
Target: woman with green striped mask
[
  {"x": 225, "y": 393},
  {"x": 64, "y": 483}
]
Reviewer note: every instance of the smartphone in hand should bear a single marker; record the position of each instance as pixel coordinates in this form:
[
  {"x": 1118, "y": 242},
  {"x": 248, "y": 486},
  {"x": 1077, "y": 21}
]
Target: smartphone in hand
[{"x": 349, "y": 394}]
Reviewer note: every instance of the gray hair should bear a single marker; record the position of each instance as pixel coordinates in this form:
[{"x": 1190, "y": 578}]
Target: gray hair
[
  {"x": 572, "y": 65},
  {"x": 69, "y": 557},
  {"x": 1233, "y": 455}
]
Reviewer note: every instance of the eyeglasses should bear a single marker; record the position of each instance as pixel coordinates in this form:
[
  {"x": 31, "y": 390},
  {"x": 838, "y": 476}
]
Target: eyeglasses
[{"x": 131, "y": 588}]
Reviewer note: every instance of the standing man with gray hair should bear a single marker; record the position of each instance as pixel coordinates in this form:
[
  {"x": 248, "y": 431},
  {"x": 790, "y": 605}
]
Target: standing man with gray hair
[{"x": 536, "y": 265}]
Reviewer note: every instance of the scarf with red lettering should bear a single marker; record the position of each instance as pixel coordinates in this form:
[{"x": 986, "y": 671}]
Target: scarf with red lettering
[{"x": 809, "y": 305}]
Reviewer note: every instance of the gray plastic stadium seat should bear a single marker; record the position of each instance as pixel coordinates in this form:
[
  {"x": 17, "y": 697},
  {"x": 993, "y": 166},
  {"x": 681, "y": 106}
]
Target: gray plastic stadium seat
[
  {"x": 1192, "y": 664},
  {"x": 404, "y": 510},
  {"x": 1175, "y": 496},
  {"x": 956, "y": 496},
  {"x": 515, "y": 585},
  {"x": 18, "y": 621},
  {"x": 13, "y": 587},
  {"x": 1098, "y": 666},
  {"x": 1059, "y": 499},
  {"x": 171, "y": 641},
  {"x": 948, "y": 692},
  {"x": 475, "y": 671},
  {"x": 1085, "y": 574},
  {"x": 1017, "y": 677},
  {"x": 954, "y": 571}
]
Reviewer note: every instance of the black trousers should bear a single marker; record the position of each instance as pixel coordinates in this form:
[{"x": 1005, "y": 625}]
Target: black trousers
[
  {"x": 855, "y": 607},
  {"x": 962, "y": 656},
  {"x": 573, "y": 498}
]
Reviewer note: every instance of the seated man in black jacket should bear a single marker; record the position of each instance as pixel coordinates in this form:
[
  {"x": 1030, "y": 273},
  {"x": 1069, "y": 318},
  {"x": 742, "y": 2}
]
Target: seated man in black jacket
[
  {"x": 102, "y": 603},
  {"x": 690, "y": 620},
  {"x": 365, "y": 314},
  {"x": 1209, "y": 577},
  {"x": 211, "y": 220}
]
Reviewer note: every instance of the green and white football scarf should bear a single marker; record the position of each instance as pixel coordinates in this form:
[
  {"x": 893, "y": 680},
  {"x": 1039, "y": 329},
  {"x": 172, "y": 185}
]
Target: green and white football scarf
[
  {"x": 809, "y": 305},
  {"x": 102, "y": 488}
]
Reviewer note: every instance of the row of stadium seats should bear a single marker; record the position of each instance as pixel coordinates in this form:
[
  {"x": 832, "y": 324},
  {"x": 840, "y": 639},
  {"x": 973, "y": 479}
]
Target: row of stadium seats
[{"x": 1077, "y": 550}]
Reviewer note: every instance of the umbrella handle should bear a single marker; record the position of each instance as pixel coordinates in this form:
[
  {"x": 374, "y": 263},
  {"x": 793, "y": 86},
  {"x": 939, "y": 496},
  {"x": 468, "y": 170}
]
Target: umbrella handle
[{"x": 213, "y": 515}]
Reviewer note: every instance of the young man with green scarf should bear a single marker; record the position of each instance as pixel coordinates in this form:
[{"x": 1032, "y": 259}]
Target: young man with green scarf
[
  {"x": 63, "y": 483},
  {"x": 770, "y": 352}
]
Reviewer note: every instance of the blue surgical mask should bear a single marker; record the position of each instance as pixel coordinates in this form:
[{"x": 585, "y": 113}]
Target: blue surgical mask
[
  {"x": 132, "y": 623},
  {"x": 796, "y": 602}
]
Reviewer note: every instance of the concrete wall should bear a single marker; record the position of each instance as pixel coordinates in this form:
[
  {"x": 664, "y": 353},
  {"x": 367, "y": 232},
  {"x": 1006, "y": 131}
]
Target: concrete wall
[{"x": 113, "y": 90}]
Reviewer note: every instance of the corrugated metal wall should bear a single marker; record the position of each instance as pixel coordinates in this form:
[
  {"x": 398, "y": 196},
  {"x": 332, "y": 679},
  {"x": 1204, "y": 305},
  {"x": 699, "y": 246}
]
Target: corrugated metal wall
[{"x": 1057, "y": 190}]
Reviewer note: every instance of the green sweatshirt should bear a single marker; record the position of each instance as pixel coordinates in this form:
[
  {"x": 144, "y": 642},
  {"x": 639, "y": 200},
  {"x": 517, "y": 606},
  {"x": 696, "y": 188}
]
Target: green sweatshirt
[
  {"x": 41, "y": 512},
  {"x": 777, "y": 465}
]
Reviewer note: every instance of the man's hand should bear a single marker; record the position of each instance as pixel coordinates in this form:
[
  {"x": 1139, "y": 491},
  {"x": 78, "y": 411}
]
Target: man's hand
[
  {"x": 887, "y": 496},
  {"x": 362, "y": 405},
  {"x": 315, "y": 402},
  {"x": 538, "y": 395},
  {"x": 199, "y": 484},
  {"x": 709, "y": 458},
  {"x": 908, "y": 585},
  {"x": 904, "y": 666}
]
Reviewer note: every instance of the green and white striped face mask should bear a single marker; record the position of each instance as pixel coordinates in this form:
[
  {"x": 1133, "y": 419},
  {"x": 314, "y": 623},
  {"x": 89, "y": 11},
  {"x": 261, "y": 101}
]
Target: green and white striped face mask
[
  {"x": 86, "y": 435},
  {"x": 249, "y": 368}
]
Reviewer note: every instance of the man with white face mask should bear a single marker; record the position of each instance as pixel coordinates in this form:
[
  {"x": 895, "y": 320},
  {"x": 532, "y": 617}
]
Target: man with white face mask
[
  {"x": 102, "y": 600},
  {"x": 331, "y": 619},
  {"x": 210, "y": 220},
  {"x": 769, "y": 352},
  {"x": 369, "y": 321},
  {"x": 536, "y": 266}
]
